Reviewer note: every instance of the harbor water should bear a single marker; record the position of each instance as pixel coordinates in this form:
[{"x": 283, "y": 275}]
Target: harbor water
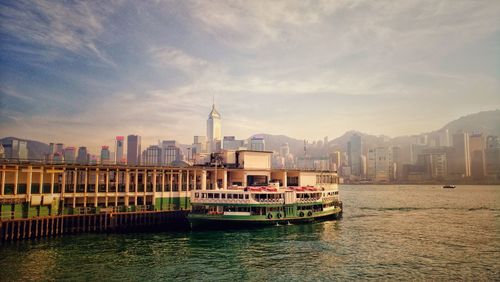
[{"x": 389, "y": 232}]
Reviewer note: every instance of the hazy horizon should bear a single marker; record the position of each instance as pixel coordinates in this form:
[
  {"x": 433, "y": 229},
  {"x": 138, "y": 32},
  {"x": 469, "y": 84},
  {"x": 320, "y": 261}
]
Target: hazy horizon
[{"x": 82, "y": 73}]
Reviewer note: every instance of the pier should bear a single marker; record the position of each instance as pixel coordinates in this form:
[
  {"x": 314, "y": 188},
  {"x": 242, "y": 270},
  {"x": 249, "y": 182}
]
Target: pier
[{"x": 40, "y": 199}]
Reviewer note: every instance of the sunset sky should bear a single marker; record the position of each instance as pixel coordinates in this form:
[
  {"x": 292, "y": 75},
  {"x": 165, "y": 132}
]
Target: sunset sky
[{"x": 82, "y": 72}]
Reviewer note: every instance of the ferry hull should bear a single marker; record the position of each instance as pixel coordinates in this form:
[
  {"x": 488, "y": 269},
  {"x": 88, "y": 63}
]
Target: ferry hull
[{"x": 199, "y": 222}]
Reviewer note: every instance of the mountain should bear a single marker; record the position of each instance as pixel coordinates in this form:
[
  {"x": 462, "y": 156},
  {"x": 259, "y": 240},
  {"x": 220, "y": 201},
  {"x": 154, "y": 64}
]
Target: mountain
[
  {"x": 486, "y": 122},
  {"x": 273, "y": 143},
  {"x": 36, "y": 150}
]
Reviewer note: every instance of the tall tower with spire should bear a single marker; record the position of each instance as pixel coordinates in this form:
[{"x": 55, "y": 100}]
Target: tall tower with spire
[{"x": 214, "y": 133}]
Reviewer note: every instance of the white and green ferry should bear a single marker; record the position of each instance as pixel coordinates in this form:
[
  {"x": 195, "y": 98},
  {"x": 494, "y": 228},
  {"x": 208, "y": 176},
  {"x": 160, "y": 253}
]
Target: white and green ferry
[{"x": 264, "y": 205}]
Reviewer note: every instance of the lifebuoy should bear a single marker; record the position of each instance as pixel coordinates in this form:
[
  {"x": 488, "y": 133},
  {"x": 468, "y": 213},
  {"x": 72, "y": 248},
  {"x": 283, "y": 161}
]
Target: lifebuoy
[
  {"x": 269, "y": 215},
  {"x": 309, "y": 213},
  {"x": 301, "y": 214},
  {"x": 278, "y": 215}
]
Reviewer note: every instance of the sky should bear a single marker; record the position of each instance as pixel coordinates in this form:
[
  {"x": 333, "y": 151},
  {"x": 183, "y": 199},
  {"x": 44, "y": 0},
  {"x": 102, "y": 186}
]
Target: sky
[{"x": 83, "y": 72}]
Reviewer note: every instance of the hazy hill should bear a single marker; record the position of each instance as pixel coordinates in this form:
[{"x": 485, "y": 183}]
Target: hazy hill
[
  {"x": 36, "y": 150},
  {"x": 487, "y": 122}
]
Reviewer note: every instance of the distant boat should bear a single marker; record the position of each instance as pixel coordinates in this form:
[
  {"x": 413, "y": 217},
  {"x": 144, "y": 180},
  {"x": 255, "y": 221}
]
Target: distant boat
[{"x": 449, "y": 186}]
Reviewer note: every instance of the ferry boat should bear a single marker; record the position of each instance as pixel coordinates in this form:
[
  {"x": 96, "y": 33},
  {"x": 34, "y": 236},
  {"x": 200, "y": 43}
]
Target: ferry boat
[
  {"x": 449, "y": 186},
  {"x": 263, "y": 205}
]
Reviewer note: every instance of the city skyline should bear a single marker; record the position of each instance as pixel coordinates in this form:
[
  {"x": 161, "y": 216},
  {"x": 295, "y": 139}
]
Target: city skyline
[{"x": 302, "y": 70}]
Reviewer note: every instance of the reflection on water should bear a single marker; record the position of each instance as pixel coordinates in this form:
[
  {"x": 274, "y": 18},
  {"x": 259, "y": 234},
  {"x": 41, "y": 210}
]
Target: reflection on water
[{"x": 388, "y": 232}]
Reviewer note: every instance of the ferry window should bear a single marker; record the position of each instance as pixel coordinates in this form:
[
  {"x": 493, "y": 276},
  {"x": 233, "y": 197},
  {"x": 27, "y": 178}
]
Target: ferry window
[
  {"x": 240, "y": 196},
  {"x": 223, "y": 196},
  {"x": 229, "y": 196},
  {"x": 196, "y": 195},
  {"x": 210, "y": 195},
  {"x": 246, "y": 197},
  {"x": 216, "y": 196}
]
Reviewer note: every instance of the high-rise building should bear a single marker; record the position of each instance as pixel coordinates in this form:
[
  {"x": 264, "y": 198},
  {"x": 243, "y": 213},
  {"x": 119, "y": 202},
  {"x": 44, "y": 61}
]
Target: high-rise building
[
  {"x": 284, "y": 150},
  {"x": 492, "y": 157},
  {"x": 119, "y": 158},
  {"x": 380, "y": 164},
  {"x": 199, "y": 145},
  {"x": 19, "y": 149},
  {"x": 133, "y": 149},
  {"x": 59, "y": 148},
  {"x": 354, "y": 154},
  {"x": 82, "y": 157},
  {"x": 231, "y": 143},
  {"x": 171, "y": 154},
  {"x": 257, "y": 143},
  {"x": 69, "y": 155},
  {"x": 152, "y": 155},
  {"x": 335, "y": 160},
  {"x": 434, "y": 162},
  {"x": 477, "y": 146},
  {"x": 460, "y": 158},
  {"x": 214, "y": 129},
  {"x": 105, "y": 155}
]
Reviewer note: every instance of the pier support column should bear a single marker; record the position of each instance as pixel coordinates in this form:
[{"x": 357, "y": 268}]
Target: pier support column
[
  {"x": 2, "y": 188},
  {"x": 52, "y": 181},
  {"x": 203, "y": 180},
  {"x": 16, "y": 180},
  {"x": 224, "y": 179},
  {"x": 96, "y": 189},
  {"x": 127, "y": 184},
  {"x": 285, "y": 181}
]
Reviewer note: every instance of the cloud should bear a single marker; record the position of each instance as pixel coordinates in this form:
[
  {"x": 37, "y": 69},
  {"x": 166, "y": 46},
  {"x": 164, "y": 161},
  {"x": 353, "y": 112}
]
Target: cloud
[{"x": 58, "y": 26}]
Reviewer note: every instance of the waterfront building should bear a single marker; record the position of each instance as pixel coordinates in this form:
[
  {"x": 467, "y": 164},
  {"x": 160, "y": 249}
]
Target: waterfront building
[
  {"x": 152, "y": 156},
  {"x": 214, "y": 130},
  {"x": 83, "y": 156},
  {"x": 133, "y": 149},
  {"x": 2, "y": 151},
  {"x": 477, "y": 146},
  {"x": 435, "y": 162},
  {"x": 335, "y": 161},
  {"x": 69, "y": 154},
  {"x": 257, "y": 143},
  {"x": 105, "y": 155},
  {"x": 492, "y": 157},
  {"x": 354, "y": 149},
  {"x": 460, "y": 158},
  {"x": 415, "y": 150},
  {"x": 119, "y": 158},
  {"x": 380, "y": 164}
]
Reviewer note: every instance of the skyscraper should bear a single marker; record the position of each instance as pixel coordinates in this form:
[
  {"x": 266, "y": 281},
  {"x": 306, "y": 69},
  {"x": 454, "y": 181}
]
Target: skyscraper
[
  {"x": 69, "y": 155},
  {"x": 354, "y": 154},
  {"x": 152, "y": 155},
  {"x": 82, "y": 157},
  {"x": 257, "y": 143},
  {"x": 119, "y": 159},
  {"x": 105, "y": 155},
  {"x": 477, "y": 144},
  {"x": 214, "y": 129},
  {"x": 133, "y": 149},
  {"x": 460, "y": 160}
]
